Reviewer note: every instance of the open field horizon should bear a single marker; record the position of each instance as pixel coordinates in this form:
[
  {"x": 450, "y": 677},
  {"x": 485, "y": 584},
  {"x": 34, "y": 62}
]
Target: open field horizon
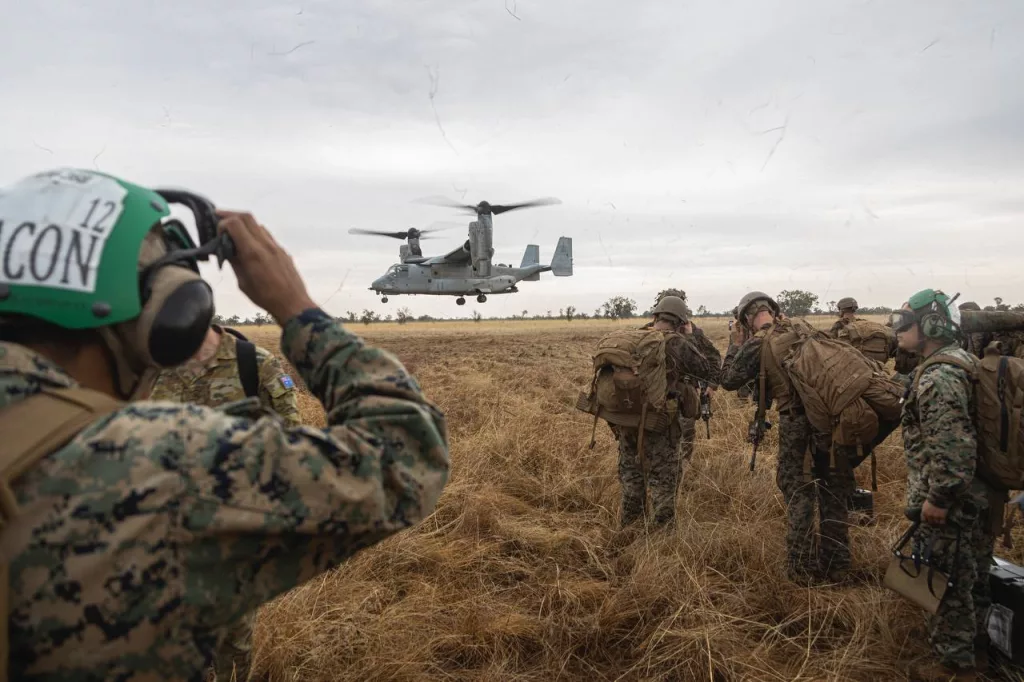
[{"x": 522, "y": 573}]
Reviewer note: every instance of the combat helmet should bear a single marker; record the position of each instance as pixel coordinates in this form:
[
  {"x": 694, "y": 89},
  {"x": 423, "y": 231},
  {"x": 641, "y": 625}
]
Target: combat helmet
[
  {"x": 753, "y": 297},
  {"x": 90, "y": 251},
  {"x": 847, "y": 302},
  {"x": 934, "y": 311},
  {"x": 672, "y": 305},
  {"x": 969, "y": 305}
]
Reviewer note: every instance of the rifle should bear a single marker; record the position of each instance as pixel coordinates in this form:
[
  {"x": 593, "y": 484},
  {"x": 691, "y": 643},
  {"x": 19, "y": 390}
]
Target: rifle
[
  {"x": 755, "y": 433},
  {"x": 705, "y": 406}
]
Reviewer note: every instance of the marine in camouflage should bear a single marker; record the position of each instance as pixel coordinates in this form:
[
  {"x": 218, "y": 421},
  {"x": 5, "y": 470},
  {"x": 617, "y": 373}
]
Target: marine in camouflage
[
  {"x": 214, "y": 383},
  {"x": 940, "y": 445},
  {"x": 662, "y": 451},
  {"x": 161, "y": 525},
  {"x": 806, "y": 475},
  {"x": 688, "y": 426},
  {"x": 217, "y": 382}
]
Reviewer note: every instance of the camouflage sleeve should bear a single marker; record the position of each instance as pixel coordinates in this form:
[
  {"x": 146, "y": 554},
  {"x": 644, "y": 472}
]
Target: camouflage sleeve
[
  {"x": 269, "y": 506},
  {"x": 683, "y": 357},
  {"x": 948, "y": 444},
  {"x": 834, "y": 329},
  {"x": 741, "y": 364},
  {"x": 710, "y": 353},
  {"x": 277, "y": 388}
]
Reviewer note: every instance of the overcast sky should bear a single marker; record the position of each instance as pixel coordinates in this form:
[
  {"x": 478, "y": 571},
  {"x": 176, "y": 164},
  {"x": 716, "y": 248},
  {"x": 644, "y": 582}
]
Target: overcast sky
[{"x": 850, "y": 148}]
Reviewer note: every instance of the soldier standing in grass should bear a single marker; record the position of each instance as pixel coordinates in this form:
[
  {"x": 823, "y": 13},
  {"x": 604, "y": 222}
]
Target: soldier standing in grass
[
  {"x": 941, "y": 447},
  {"x": 762, "y": 320},
  {"x": 689, "y": 385},
  {"x": 662, "y": 451}
]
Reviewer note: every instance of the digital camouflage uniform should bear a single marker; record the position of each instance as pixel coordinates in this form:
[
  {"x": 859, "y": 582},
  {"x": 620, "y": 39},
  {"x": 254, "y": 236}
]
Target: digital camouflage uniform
[
  {"x": 689, "y": 425},
  {"x": 661, "y": 450},
  {"x": 217, "y": 381},
  {"x": 802, "y": 482},
  {"x": 940, "y": 444},
  {"x": 157, "y": 527}
]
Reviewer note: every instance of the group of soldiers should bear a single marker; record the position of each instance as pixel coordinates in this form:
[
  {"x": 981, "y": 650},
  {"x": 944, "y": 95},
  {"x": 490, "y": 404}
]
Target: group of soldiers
[
  {"x": 156, "y": 486},
  {"x": 816, "y": 477}
]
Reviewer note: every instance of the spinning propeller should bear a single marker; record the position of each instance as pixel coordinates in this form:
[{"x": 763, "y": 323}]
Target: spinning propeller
[
  {"x": 485, "y": 208},
  {"x": 411, "y": 233}
]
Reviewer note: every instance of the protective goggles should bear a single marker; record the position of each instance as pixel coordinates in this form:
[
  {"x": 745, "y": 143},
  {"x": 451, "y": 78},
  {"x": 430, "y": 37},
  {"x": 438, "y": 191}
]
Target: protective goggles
[
  {"x": 181, "y": 249},
  {"x": 902, "y": 320}
]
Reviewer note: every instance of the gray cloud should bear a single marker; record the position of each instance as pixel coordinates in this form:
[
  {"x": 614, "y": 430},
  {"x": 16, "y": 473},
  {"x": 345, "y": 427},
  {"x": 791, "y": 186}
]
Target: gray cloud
[{"x": 859, "y": 148}]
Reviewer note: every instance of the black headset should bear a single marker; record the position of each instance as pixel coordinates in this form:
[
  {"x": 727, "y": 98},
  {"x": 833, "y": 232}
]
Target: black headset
[{"x": 180, "y": 325}]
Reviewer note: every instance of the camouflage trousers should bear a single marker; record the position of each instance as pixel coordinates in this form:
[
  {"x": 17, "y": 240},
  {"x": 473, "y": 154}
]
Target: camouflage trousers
[
  {"x": 232, "y": 658},
  {"x": 963, "y": 612},
  {"x": 662, "y": 456},
  {"x": 805, "y": 483},
  {"x": 745, "y": 391},
  {"x": 688, "y": 428}
]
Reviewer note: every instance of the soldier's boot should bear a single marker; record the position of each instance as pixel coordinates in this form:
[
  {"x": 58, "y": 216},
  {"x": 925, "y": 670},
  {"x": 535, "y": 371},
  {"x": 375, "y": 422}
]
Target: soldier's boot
[
  {"x": 798, "y": 572},
  {"x": 933, "y": 671}
]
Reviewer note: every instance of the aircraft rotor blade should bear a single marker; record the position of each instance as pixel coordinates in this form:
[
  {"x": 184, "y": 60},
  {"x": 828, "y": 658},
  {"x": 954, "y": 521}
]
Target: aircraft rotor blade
[{"x": 546, "y": 201}]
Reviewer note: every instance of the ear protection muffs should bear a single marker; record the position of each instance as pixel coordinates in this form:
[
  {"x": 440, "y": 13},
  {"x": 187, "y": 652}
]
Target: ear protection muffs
[
  {"x": 177, "y": 304},
  {"x": 933, "y": 324}
]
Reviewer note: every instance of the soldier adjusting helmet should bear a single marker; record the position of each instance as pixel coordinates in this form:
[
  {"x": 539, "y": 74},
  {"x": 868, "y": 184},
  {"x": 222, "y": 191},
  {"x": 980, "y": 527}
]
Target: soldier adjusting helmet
[
  {"x": 674, "y": 306},
  {"x": 752, "y": 303},
  {"x": 90, "y": 252}
]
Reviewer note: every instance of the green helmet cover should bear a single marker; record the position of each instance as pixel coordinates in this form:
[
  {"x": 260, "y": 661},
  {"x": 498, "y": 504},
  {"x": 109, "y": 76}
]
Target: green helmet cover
[
  {"x": 69, "y": 246},
  {"x": 934, "y": 300}
]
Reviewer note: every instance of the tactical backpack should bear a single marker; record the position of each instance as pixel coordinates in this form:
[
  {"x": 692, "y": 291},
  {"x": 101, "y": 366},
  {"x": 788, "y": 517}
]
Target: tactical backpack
[
  {"x": 630, "y": 385},
  {"x": 32, "y": 429},
  {"x": 998, "y": 382},
  {"x": 870, "y": 338},
  {"x": 843, "y": 393}
]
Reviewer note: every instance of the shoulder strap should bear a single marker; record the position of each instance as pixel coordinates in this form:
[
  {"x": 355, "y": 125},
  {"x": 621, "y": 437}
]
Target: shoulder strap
[
  {"x": 64, "y": 412},
  {"x": 235, "y": 333},
  {"x": 57, "y": 416},
  {"x": 248, "y": 371},
  {"x": 965, "y": 365}
]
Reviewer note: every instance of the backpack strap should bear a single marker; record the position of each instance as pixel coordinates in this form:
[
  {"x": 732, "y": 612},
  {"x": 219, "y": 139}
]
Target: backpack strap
[
  {"x": 248, "y": 371},
  {"x": 62, "y": 414}
]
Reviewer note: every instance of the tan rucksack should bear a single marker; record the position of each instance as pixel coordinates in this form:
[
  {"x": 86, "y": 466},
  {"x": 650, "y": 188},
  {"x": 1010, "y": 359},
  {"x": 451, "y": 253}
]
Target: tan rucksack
[
  {"x": 629, "y": 384},
  {"x": 843, "y": 393},
  {"x": 54, "y": 417},
  {"x": 998, "y": 407},
  {"x": 870, "y": 338}
]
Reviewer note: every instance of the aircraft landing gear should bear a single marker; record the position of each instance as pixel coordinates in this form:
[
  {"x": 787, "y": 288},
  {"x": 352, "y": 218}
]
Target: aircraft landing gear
[
  {"x": 481, "y": 299},
  {"x": 384, "y": 299},
  {"x": 460, "y": 301}
]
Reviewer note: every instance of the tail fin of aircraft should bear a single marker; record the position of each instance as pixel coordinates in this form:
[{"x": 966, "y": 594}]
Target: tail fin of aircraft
[
  {"x": 531, "y": 257},
  {"x": 561, "y": 262}
]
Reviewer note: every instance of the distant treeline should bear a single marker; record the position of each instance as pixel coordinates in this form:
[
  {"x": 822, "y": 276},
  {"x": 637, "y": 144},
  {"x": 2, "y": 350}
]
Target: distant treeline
[{"x": 796, "y": 303}]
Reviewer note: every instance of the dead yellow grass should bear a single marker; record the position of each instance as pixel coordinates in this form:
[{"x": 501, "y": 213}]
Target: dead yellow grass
[{"x": 522, "y": 574}]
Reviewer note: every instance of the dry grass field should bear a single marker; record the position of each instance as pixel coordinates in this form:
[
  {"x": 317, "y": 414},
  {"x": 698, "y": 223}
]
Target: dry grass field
[{"x": 522, "y": 574}]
